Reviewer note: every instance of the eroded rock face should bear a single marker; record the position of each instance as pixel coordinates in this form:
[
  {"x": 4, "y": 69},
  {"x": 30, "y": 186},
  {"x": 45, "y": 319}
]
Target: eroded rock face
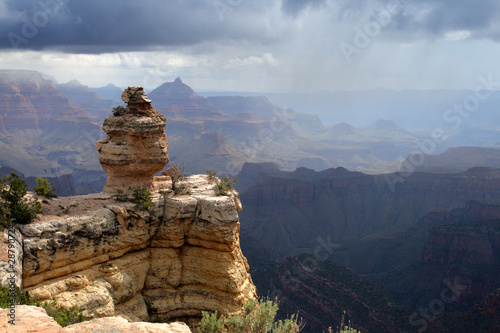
[
  {"x": 174, "y": 261},
  {"x": 11, "y": 257},
  {"x": 136, "y": 147}
]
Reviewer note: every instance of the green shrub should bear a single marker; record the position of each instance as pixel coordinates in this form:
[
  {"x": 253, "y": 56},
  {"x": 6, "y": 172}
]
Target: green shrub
[
  {"x": 211, "y": 323},
  {"x": 142, "y": 198},
  {"x": 16, "y": 296},
  {"x": 256, "y": 317},
  {"x": 62, "y": 316},
  {"x": 16, "y": 208},
  {"x": 212, "y": 176},
  {"x": 225, "y": 185},
  {"x": 120, "y": 196},
  {"x": 182, "y": 190},
  {"x": 44, "y": 188},
  {"x": 65, "y": 209},
  {"x": 5, "y": 216},
  {"x": 118, "y": 110}
]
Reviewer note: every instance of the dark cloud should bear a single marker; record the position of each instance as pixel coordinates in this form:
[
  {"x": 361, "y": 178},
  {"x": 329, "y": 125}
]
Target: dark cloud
[
  {"x": 294, "y": 7},
  {"x": 97, "y": 26}
]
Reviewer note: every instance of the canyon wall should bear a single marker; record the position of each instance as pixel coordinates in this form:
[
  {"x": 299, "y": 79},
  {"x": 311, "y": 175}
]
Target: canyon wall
[
  {"x": 172, "y": 262},
  {"x": 290, "y": 211}
]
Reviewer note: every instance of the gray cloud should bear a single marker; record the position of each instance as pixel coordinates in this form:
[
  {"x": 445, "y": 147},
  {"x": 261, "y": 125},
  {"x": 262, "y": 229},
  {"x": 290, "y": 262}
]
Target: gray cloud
[
  {"x": 433, "y": 19},
  {"x": 294, "y": 7},
  {"x": 96, "y": 26}
]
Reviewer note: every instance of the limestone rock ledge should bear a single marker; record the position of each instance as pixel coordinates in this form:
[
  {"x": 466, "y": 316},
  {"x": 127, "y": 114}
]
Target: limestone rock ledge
[
  {"x": 172, "y": 262},
  {"x": 35, "y": 320}
]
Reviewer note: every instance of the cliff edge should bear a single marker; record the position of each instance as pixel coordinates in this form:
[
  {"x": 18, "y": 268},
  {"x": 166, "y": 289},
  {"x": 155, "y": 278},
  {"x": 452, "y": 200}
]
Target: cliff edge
[
  {"x": 179, "y": 258},
  {"x": 170, "y": 262}
]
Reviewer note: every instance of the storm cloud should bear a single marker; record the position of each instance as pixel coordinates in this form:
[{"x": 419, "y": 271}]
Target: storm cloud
[
  {"x": 96, "y": 26},
  {"x": 293, "y": 7},
  {"x": 275, "y": 45}
]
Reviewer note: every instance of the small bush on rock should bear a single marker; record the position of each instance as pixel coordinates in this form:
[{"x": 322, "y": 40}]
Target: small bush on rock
[
  {"x": 15, "y": 207},
  {"x": 62, "y": 316},
  {"x": 256, "y": 317},
  {"x": 118, "y": 110},
  {"x": 212, "y": 176},
  {"x": 225, "y": 185},
  {"x": 14, "y": 296},
  {"x": 142, "y": 198},
  {"x": 121, "y": 196},
  {"x": 44, "y": 188}
]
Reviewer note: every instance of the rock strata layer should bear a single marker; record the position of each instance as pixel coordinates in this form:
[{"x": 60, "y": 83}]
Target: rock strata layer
[
  {"x": 136, "y": 146},
  {"x": 176, "y": 260}
]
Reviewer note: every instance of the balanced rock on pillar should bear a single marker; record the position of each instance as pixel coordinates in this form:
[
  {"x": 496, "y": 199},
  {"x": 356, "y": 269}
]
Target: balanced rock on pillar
[{"x": 136, "y": 147}]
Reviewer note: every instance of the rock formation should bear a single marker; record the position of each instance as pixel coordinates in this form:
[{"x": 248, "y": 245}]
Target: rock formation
[
  {"x": 27, "y": 315},
  {"x": 136, "y": 147},
  {"x": 174, "y": 261}
]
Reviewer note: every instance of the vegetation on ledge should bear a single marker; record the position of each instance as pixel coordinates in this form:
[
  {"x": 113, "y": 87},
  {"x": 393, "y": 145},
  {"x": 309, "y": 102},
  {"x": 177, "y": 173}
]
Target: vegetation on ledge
[
  {"x": 14, "y": 207},
  {"x": 256, "y": 317},
  {"x": 62, "y": 316}
]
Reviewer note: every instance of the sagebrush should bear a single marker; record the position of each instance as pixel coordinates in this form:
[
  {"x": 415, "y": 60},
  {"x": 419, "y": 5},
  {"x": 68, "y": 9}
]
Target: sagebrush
[
  {"x": 225, "y": 185},
  {"x": 256, "y": 317}
]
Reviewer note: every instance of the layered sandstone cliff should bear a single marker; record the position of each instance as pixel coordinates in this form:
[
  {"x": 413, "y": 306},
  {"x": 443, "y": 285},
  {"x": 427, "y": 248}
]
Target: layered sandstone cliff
[{"x": 174, "y": 261}]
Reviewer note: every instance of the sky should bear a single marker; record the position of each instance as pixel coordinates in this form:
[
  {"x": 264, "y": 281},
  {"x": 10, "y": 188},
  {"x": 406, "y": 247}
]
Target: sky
[{"x": 256, "y": 45}]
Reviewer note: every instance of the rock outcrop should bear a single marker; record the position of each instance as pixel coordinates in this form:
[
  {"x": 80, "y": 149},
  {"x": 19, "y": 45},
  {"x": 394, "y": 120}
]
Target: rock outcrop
[
  {"x": 26, "y": 315},
  {"x": 177, "y": 259},
  {"x": 136, "y": 147},
  {"x": 108, "y": 257}
]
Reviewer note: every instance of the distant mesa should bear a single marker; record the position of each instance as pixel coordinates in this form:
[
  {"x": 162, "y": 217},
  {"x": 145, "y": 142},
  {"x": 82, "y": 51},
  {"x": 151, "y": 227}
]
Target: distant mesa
[
  {"x": 456, "y": 159},
  {"x": 384, "y": 124}
]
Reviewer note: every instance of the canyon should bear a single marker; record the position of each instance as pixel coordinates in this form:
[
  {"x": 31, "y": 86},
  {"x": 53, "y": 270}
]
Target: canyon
[{"x": 392, "y": 241}]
